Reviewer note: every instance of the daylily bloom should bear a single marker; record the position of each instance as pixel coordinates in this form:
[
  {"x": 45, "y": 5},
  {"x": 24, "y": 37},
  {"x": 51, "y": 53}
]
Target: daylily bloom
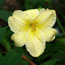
[{"x": 33, "y": 28}]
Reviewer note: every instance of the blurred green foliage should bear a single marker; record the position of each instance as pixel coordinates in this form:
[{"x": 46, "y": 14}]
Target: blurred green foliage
[
  {"x": 55, "y": 51},
  {"x": 4, "y": 15}
]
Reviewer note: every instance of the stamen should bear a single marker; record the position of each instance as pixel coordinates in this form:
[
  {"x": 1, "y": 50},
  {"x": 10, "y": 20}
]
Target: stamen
[{"x": 33, "y": 25}]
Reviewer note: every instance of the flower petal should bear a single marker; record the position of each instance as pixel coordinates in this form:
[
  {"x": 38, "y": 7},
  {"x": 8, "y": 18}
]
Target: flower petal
[
  {"x": 34, "y": 46},
  {"x": 15, "y": 26},
  {"x": 19, "y": 39},
  {"x": 40, "y": 35},
  {"x": 46, "y": 19},
  {"x": 32, "y": 13},
  {"x": 48, "y": 35},
  {"x": 22, "y": 17}
]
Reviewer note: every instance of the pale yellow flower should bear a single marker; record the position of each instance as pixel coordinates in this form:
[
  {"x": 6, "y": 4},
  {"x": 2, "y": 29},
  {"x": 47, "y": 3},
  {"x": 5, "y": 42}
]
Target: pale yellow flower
[{"x": 33, "y": 28}]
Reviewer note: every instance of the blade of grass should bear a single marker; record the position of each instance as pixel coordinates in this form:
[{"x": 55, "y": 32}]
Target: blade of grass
[
  {"x": 61, "y": 13},
  {"x": 60, "y": 26}
]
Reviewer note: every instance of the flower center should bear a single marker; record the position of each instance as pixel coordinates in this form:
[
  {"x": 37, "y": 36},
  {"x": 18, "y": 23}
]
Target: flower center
[{"x": 33, "y": 26}]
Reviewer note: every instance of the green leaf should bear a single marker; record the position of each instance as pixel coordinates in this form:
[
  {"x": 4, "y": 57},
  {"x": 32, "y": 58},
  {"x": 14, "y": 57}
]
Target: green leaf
[
  {"x": 2, "y": 32},
  {"x": 62, "y": 40},
  {"x": 23, "y": 62},
  {"x": 11, "y": 58},
  {"x": 22, "y": 51},
  {"x": 4, "y": 15},
  {"x": 4, "y": 38},
  {"x": 50, "y": 62},
  {"x": 1, "y": 56}
]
